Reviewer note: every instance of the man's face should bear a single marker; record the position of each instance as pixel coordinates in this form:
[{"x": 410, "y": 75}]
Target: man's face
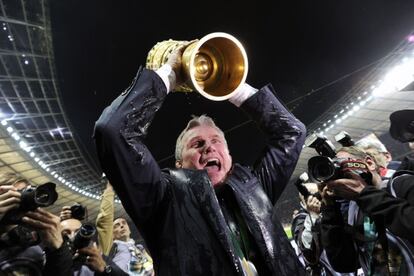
[
  {"x": 204, "y": 148},
  {"x": 121, "y": 230},
  {"x": 372, "y": 167},
  {"x": 70, "y": 227}
]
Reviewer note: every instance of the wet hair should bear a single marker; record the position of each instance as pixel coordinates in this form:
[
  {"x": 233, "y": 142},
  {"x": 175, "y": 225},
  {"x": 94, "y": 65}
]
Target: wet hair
[
  {"x": 11, "y": 178},
  {"x": 196, "y": 121}
]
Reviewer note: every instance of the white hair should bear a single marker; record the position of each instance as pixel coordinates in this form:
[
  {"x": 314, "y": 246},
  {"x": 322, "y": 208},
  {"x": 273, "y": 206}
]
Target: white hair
[
  {"x": 371, "y": 144},
  {"x": 196, "y": 121}
]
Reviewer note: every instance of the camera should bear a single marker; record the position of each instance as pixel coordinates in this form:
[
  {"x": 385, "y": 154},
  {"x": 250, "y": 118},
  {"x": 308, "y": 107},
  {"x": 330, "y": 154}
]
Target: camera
[
  {"x": 19, "y": 236},
  {"x": 32, "y": 197},
  {"x": 84, "y": 236},
  {"x": 22, "y": 238},
  {"x": 41, "y": 196},
  {"x": 78, "y": 211},
  {"x": 326, "y": 166},
  {"x": 322, "y": 168}
]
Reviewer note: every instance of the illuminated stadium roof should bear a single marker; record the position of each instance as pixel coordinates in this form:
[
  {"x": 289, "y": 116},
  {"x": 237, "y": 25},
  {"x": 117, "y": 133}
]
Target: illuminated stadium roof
[
  {"x": 365, "y": 109},
  {"x": 36, "y": 138}
]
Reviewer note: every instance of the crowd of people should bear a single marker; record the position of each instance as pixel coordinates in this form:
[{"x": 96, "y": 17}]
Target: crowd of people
[
  {"x": 42, "y": 243},
  {"x": 210, "y": 216}
]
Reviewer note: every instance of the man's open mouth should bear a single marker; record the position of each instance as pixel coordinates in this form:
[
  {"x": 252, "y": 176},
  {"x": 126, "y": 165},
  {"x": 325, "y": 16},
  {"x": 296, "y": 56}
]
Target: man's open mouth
[{"x": 212, "y": 163}]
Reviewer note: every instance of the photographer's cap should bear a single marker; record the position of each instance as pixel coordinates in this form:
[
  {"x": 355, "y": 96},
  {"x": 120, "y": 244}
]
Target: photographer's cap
[{"x": 402, "y": 125}]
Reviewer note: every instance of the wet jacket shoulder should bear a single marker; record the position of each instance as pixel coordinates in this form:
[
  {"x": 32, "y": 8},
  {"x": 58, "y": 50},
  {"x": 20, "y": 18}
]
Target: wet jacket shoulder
[
  {"x": 119, "y": 136},
  {"x": 285, "y": 137}
]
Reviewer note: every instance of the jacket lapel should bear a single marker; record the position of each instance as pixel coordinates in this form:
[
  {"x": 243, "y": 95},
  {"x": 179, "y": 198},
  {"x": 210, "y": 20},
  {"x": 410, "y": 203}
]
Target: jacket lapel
[{"x": 257, "y": 212}]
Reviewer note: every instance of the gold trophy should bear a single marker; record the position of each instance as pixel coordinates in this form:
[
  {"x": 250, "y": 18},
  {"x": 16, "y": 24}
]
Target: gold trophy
[{"x": 215, "y": 66}]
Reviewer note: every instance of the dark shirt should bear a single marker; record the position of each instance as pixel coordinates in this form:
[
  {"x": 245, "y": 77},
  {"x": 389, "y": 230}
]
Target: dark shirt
[{"x": 239, "y": 229}]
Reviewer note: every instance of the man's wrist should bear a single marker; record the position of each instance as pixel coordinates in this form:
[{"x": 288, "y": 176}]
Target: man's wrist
[
  {"x": 168, "y": 76},
  {"x": 243, "y": 92}
]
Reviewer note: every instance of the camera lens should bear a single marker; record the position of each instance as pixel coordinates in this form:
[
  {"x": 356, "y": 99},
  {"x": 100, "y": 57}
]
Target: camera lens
[
  {"x": 84, "y": 236},
  {"x": 87, "y": 230},
  {"x": 42, "y": 199},
  {"x": 45, "y": 195},
  {"x": 78, "y": 211},
  {"x": 31, "y": 198},
  {"x": 321, "y": 168},
  {"x": 41, "y": 196}
]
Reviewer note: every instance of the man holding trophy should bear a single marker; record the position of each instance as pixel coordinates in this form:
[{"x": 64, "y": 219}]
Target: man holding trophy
[{"x": 207, "y": 216}]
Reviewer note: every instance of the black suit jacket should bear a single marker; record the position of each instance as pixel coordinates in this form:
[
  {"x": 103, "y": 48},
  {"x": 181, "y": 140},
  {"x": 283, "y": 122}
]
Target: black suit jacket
[{"x": 177, "y": 210}]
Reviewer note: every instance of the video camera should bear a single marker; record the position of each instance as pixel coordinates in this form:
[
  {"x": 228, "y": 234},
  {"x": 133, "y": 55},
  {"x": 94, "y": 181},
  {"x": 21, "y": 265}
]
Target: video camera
[
  {"x": 326, "y": 166},
  {"x": 322, "y": 168}
]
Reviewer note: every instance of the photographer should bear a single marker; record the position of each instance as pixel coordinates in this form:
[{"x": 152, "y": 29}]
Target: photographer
[
  {"x": 20, "y": 251},
  {"x": 115, "y": 239},
  {"x": 371, "y": 236},
  {"x": 305, "y": 226},
  {"x": 307, "y": 233},
  {"x": 88, "y": 260},
  {"x": 76, "y": 211}
]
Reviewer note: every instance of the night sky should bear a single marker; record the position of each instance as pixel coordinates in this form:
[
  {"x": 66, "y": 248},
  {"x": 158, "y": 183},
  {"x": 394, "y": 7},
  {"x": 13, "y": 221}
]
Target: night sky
[{"x": 317, "y": 47}]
